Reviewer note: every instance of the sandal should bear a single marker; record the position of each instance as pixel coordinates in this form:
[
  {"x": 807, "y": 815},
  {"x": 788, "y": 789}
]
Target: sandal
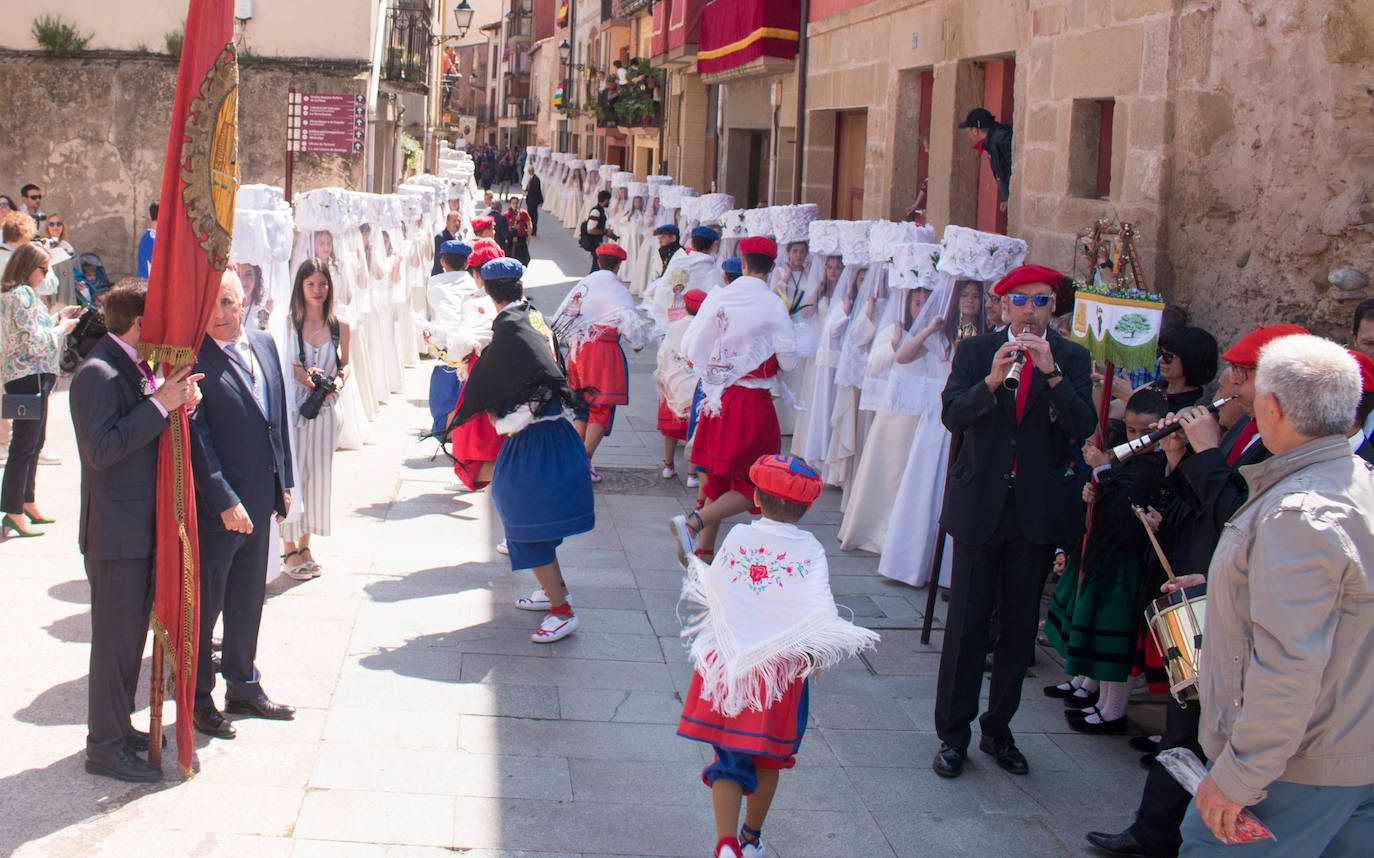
[
  {"x": 310, "y": 563},
  {"x": 596, "y": 478},
  {"x": 685, "y": 536},
  {"x": 294, "y": 571}
]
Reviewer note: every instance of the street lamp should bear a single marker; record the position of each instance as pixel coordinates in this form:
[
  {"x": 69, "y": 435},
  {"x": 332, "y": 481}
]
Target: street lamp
[
  {"x": 462, "y": 16},
  {"x": 564, "y": 51}
]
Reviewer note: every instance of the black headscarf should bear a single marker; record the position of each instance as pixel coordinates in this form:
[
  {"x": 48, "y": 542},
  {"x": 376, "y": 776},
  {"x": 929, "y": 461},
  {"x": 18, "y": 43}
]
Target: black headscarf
[{"x": 519, "y": 367}]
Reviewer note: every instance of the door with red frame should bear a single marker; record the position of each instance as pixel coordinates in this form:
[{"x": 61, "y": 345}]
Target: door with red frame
[
  {"x": 851, "y": 139},
  {"x": 999, "y": 75}
]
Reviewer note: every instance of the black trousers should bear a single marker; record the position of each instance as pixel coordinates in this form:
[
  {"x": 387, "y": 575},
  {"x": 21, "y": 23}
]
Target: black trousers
[
  {"x": 1163, "y": 803},
  {"x": 121, "y": 599},
  {"x": 26, "y": 442},
  {"x": 595, "y": 264},
  {"x": 1007, "y": 575},
  {"x": 233, "y": 581},
  {"x": 534, "y": 218}
]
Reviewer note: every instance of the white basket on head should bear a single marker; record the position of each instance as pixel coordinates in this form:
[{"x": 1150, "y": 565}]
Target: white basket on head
[
  {"x": 732, "y": 224},
  {"x": 639, "y": 189},
  {"x": 607, "y": 171},
  {"x": 975, "y": 255},
  {"x": 793, "y": 223},
  {"x": 913, "y": 265},
  {"x": 825, "y": 237},
  {"x": 854, "y": 242},
  {"x": 887, "y": 235},
  {"x": 670, "y": 196},
  {"x": 621, "y": 179},
  {"x": 576, "y": 164},
  {"x": 592, "y": 164},
  {"x": 689, "y": 208},
  {"x": 758, "y": 222},
  {"x": 260, "y": 197},
  {"x": 712, "y": 208},
  {"x": 531, "y": 151}
]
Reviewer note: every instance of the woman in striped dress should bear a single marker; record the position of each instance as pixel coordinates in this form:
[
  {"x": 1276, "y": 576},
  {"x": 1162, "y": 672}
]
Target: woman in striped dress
[{"x": 319, "y": 345}]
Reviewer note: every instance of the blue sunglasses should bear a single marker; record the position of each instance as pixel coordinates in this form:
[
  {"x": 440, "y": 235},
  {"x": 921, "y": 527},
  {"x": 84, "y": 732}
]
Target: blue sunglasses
[{"x": 1036, "y": 300}]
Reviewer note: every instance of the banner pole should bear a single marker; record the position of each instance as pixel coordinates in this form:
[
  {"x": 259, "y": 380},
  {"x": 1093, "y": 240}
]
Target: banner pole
[{"x": 155, "y": 705}]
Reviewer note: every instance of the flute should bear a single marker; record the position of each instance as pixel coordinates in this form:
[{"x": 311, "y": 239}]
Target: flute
[
  {"x": 1013, "y": 379},
  {"x": 1122, "y": 452}
]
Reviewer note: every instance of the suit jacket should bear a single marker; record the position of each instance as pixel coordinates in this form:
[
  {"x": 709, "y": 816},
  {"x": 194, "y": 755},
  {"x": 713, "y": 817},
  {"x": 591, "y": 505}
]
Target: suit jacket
[
  {"x": 438, "y": 242},
  {"x": 1056, "y": 420},
  {"x": 534, "y": 192},
  {"x": 1211, "y": 486},
  {"x": 239, "y": 455},
  {"x": 117, "y": 429}
]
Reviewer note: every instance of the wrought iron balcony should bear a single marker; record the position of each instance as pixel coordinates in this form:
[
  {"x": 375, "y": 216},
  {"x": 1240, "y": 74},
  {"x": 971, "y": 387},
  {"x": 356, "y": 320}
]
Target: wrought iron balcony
[{"x": 407, "y": 42}]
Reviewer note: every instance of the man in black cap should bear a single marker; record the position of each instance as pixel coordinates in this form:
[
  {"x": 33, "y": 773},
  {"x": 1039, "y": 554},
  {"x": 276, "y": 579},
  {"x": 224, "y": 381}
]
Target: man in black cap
[{"x": 994, "y": 138}]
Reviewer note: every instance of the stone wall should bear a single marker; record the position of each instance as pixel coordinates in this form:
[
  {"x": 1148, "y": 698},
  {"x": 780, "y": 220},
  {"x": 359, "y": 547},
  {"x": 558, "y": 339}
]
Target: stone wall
[{"x": 92, "y": 132}]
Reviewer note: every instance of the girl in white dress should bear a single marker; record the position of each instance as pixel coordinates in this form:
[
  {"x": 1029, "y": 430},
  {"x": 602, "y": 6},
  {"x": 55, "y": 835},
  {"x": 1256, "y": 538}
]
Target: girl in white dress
[{"x": 823, "y": 329}]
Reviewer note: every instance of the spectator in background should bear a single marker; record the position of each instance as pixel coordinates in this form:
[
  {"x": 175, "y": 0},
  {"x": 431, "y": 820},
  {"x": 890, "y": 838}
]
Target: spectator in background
[
  {"x": 145, "y": 244},
  {"x": 453, "y": 224},
  {"x": 16, "y": 229},
  {"x": 993, "y": 139},
  {"x": 32, "y": 201},
  {"x": 31, "y": 344},
  {"x": 518, "y": 225},
  {"x": 6, "y": 206},
  {"x": 534, "y": 198},
  {"x": 1187, "y": 363},
  {"x": 55, "y": 234},
  {"x": 1361, "y": 330}
]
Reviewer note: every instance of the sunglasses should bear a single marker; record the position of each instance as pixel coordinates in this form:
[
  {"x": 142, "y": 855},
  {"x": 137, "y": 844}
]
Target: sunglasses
[
  {"x": 1167, "y": 358},
  {"x": 34, "y": 197},
  {"x": 56, "y": 223},
  {"x": 1035, "y": 300}
]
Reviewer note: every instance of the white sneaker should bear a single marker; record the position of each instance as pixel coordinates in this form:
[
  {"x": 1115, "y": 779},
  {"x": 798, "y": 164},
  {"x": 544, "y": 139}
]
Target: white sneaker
[
  {"x": 682, "y": 539},
  {"x": 693, "y": 480},
  {"x": 596, "y": 478},
  {"x": 45, "y": 459},
  {"x": 457, "y": 487},
  {"x": 554, "y": 628},
  {"x": 536, "y": 601},
  {"x": 669, "y": 472},
  {"x": 753, "y": 850},
  {"x": 503, "y": 548}
]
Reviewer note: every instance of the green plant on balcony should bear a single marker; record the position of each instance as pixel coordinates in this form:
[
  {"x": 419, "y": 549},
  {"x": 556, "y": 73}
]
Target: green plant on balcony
[
  {"x": 411, "y": 72},
  {"x": 59, "y": 38},
  {"x": 606, "y": 116}
]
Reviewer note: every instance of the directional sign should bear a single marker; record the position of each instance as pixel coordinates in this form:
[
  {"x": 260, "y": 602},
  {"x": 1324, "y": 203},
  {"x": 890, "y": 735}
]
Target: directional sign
[{"x": 326, "y": 122}]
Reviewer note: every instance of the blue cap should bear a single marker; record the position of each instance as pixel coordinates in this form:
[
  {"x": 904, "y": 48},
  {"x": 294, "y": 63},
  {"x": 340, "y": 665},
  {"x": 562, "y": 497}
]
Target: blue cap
[
  {"x": 705, "y": 232},
  {"x": 732, "y": 266},
  {"x": 457, "y": 247},
  {"x": 667, "y": 227},
  {"x": 504, "y": 268}
]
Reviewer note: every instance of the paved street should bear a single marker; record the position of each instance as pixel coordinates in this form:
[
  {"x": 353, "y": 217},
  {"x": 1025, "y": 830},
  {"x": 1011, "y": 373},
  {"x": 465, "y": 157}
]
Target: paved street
[{"x": 429, "y": 724}]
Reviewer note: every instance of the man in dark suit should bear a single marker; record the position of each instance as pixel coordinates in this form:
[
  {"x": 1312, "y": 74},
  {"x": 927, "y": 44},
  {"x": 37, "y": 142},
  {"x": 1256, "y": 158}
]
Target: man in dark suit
[
  {"x": 1012, "y": 476},
  {"x": 118, "y": 417},
  {"x": 534, "y": 198},
  {"x": 453, "y": 224},
  {"x": 241, "y": 457}
]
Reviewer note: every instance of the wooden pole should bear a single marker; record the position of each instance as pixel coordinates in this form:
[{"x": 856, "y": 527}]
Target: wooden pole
[{"x": 155, "y": 704}]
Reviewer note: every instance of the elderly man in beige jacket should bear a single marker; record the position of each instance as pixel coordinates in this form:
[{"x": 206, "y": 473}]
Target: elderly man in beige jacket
[{"x": 1287, "y": 672}]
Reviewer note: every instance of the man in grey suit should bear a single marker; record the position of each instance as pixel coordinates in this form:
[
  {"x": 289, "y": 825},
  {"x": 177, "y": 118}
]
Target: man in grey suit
[
  {"x": 241, "y": 457},
  {"x": 119, "y": 412}
]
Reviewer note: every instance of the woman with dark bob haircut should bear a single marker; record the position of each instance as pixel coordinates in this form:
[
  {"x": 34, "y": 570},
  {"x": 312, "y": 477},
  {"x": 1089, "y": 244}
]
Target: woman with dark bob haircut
[{"x": 1187, "y": 362}]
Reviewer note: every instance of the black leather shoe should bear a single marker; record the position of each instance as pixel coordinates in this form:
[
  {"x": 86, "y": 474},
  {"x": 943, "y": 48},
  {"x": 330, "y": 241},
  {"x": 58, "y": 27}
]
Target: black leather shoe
[
  {"x": 260, "y": 707},
  {"x": 949, "y": 761},
  {"x": 1146, "y": 744},
  {"x": 1120, "y": 844},
  {"x": 1075, "y": 701},
  {"x": 1147, "y": 761},
  {"x": 1005, "y": 752},
  {"x": 1058, "y": 693},
  {"x": 137, "y": 741},
  {"x": 125, "y": 766},
  {"x": 211, "y": 723},
  {"x": 216, "y": 665},
  {"x": 1116, "y": 726}
]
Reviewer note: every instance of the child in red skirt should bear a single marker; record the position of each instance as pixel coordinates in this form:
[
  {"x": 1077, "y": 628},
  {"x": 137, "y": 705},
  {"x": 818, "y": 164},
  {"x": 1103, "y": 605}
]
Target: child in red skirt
[
  {"x": 475, "y": 444},
  {"x": 676, "y": 383},
  {"x": 592, "y": 319},
  {"x": 766, "y": 622},
  {"x": 741, "y": 337}
]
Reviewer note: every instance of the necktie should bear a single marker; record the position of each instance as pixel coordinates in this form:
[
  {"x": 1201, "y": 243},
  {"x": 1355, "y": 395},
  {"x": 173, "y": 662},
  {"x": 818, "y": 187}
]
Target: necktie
[
  {"x": 1023, "y": 390},
  {"x": 1242, "y": 441},
  {"x": 254, "y": 377}
]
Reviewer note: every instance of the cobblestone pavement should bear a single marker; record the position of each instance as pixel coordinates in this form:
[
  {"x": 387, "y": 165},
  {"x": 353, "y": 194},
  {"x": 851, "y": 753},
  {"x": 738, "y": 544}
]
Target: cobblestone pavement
[{"x": 429, "y": 725}]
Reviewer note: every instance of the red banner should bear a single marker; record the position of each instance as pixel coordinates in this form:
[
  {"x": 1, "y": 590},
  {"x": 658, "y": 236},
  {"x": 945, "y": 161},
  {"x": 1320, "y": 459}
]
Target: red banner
[
  {"x": 734, "y": 32},
  {"x": 194, "y": 228},
  {"x": 562, "y": 19}
]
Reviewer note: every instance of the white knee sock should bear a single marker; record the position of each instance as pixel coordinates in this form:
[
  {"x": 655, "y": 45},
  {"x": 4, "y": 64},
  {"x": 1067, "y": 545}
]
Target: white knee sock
[{"x": 1111, "y": 703}]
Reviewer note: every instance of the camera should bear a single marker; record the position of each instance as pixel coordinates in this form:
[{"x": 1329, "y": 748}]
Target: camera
[
  {"x": 324, "y": 385},
  {"x": 89, "y": 330}
]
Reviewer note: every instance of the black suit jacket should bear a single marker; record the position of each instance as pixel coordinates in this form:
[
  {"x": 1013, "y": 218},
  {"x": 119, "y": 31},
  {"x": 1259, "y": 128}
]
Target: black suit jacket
[
  {"x": 1056, "y": 419},
  {"x": 117, "y": 430},
  {"x": 534, "y": 192},
  {"x": 438, "y": 242},
  {"x": 237, "y": 454}
]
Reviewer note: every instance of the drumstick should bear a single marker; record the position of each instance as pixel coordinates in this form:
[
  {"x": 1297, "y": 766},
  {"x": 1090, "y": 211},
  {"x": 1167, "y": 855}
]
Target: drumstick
[{"x": 1159, "y": 552}]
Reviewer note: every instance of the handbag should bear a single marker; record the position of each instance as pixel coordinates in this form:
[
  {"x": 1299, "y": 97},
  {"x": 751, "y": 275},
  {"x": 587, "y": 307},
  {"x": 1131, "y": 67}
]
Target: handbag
[{"x": 21, "y": 406}]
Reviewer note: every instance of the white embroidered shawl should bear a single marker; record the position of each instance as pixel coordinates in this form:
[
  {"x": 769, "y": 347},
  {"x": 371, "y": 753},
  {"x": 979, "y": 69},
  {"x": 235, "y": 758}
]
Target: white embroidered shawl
[
  {"x": 736, "y": 329},
  {"x": 676, "y": 384},
  {"x": 460, "y": 317},
  {"x": 764, "y": 616},
  {"x": 599, "y": 300}
]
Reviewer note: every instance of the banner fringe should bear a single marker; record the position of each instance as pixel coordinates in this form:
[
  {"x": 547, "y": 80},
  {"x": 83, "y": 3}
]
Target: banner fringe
[{"x": 157, "y": 353}]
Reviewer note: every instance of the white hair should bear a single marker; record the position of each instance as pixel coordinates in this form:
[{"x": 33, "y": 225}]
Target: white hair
[{"x": 1316, "y": 381}]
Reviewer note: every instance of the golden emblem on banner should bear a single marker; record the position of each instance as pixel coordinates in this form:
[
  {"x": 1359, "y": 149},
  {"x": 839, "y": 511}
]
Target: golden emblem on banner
[{"x": 210, "y": 170}]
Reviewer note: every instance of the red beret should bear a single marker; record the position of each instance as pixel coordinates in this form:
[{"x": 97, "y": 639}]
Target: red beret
[
  {"x": 1246, "y": 350},
  {"x": 1366, "y": 370},
  {"x": 759, "y": 244},
  {"x": 786, "y": 477},
  {"x": 482, "y": 255},
  {"x": 483, "y": 222},
  {"x": 610, "y": 248},
  {"x": 693, "y": 298},
  {"x": 485, "y": 242},
  {"x": 1025, "y": 274}
]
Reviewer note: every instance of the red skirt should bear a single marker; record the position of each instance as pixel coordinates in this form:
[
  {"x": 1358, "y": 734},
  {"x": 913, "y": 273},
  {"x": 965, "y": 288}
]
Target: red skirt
[
  {"x": 473, "y": 444},
  {"x": 669, "y": 424},
  {"x": 600, "y": 365},
  {"x": 728, "y": 443},
  {"x": 775, "y": 733}
]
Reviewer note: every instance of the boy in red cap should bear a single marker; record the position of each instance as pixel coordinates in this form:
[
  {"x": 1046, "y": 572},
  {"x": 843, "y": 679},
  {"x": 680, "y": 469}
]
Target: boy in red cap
[
  {"x": 484, "y": 227},
  {"x": 676, "y": 384},
  {"x": 766, "y": 620},
  {"x": 593, "y": 317}
]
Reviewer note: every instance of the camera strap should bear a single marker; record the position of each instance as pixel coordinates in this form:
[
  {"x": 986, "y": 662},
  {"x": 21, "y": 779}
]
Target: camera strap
[{"x": 333, "y": 338}]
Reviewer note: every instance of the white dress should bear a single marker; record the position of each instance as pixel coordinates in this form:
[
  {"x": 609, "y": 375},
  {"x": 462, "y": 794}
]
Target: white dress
[{"x": 315, "y": 442}]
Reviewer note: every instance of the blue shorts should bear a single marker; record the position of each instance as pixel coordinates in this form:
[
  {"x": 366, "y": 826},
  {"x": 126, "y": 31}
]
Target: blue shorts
[
  {"x": 528, "y": 555},
  {"x": 741, "y": 768}
]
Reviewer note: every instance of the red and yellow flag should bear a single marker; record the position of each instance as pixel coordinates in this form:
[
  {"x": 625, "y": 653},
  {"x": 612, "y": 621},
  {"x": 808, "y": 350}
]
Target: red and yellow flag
[{"x": 195, "y": 222}]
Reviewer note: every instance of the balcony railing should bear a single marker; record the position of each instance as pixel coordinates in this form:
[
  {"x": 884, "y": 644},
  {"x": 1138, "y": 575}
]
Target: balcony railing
[
  {"x": 407, "y": 42},
  {"x": 525, "y": 110},
  {"x": 626, "y": 8}
]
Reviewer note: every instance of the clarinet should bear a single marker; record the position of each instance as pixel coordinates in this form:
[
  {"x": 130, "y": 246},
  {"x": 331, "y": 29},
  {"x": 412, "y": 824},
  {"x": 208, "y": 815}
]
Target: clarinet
[
  {"x": 1013, "y": 379},
  {"x": 1122, "y": 452}
]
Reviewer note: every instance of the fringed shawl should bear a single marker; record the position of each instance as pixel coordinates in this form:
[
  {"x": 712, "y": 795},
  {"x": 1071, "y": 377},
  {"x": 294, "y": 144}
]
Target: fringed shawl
[{"x": 735, "y": 330}]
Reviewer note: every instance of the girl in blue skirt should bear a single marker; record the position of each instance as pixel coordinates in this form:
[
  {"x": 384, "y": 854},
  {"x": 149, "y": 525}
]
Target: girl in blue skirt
[{"x": 541, "y": 484}]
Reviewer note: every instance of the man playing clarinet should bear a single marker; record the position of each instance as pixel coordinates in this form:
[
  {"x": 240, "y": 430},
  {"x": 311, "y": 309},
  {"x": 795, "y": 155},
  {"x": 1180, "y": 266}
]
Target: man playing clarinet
[{"x": 1003, "y": 506}]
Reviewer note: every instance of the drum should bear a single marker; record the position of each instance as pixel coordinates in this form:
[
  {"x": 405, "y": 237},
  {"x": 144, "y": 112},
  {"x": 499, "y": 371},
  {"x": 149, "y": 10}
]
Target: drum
[{"x": 1175, "y": 623}]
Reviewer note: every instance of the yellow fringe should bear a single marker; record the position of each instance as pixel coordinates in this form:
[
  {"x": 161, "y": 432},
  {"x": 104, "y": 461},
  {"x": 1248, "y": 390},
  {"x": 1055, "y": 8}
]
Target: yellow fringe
[{"x": 177, "y": 356}]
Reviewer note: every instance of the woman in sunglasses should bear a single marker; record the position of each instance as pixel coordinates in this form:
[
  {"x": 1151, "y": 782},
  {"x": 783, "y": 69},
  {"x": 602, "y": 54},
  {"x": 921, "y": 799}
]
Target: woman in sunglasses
[
  {"x": 1187, "y": 362},
  {"x": 55, "y": 234}
]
